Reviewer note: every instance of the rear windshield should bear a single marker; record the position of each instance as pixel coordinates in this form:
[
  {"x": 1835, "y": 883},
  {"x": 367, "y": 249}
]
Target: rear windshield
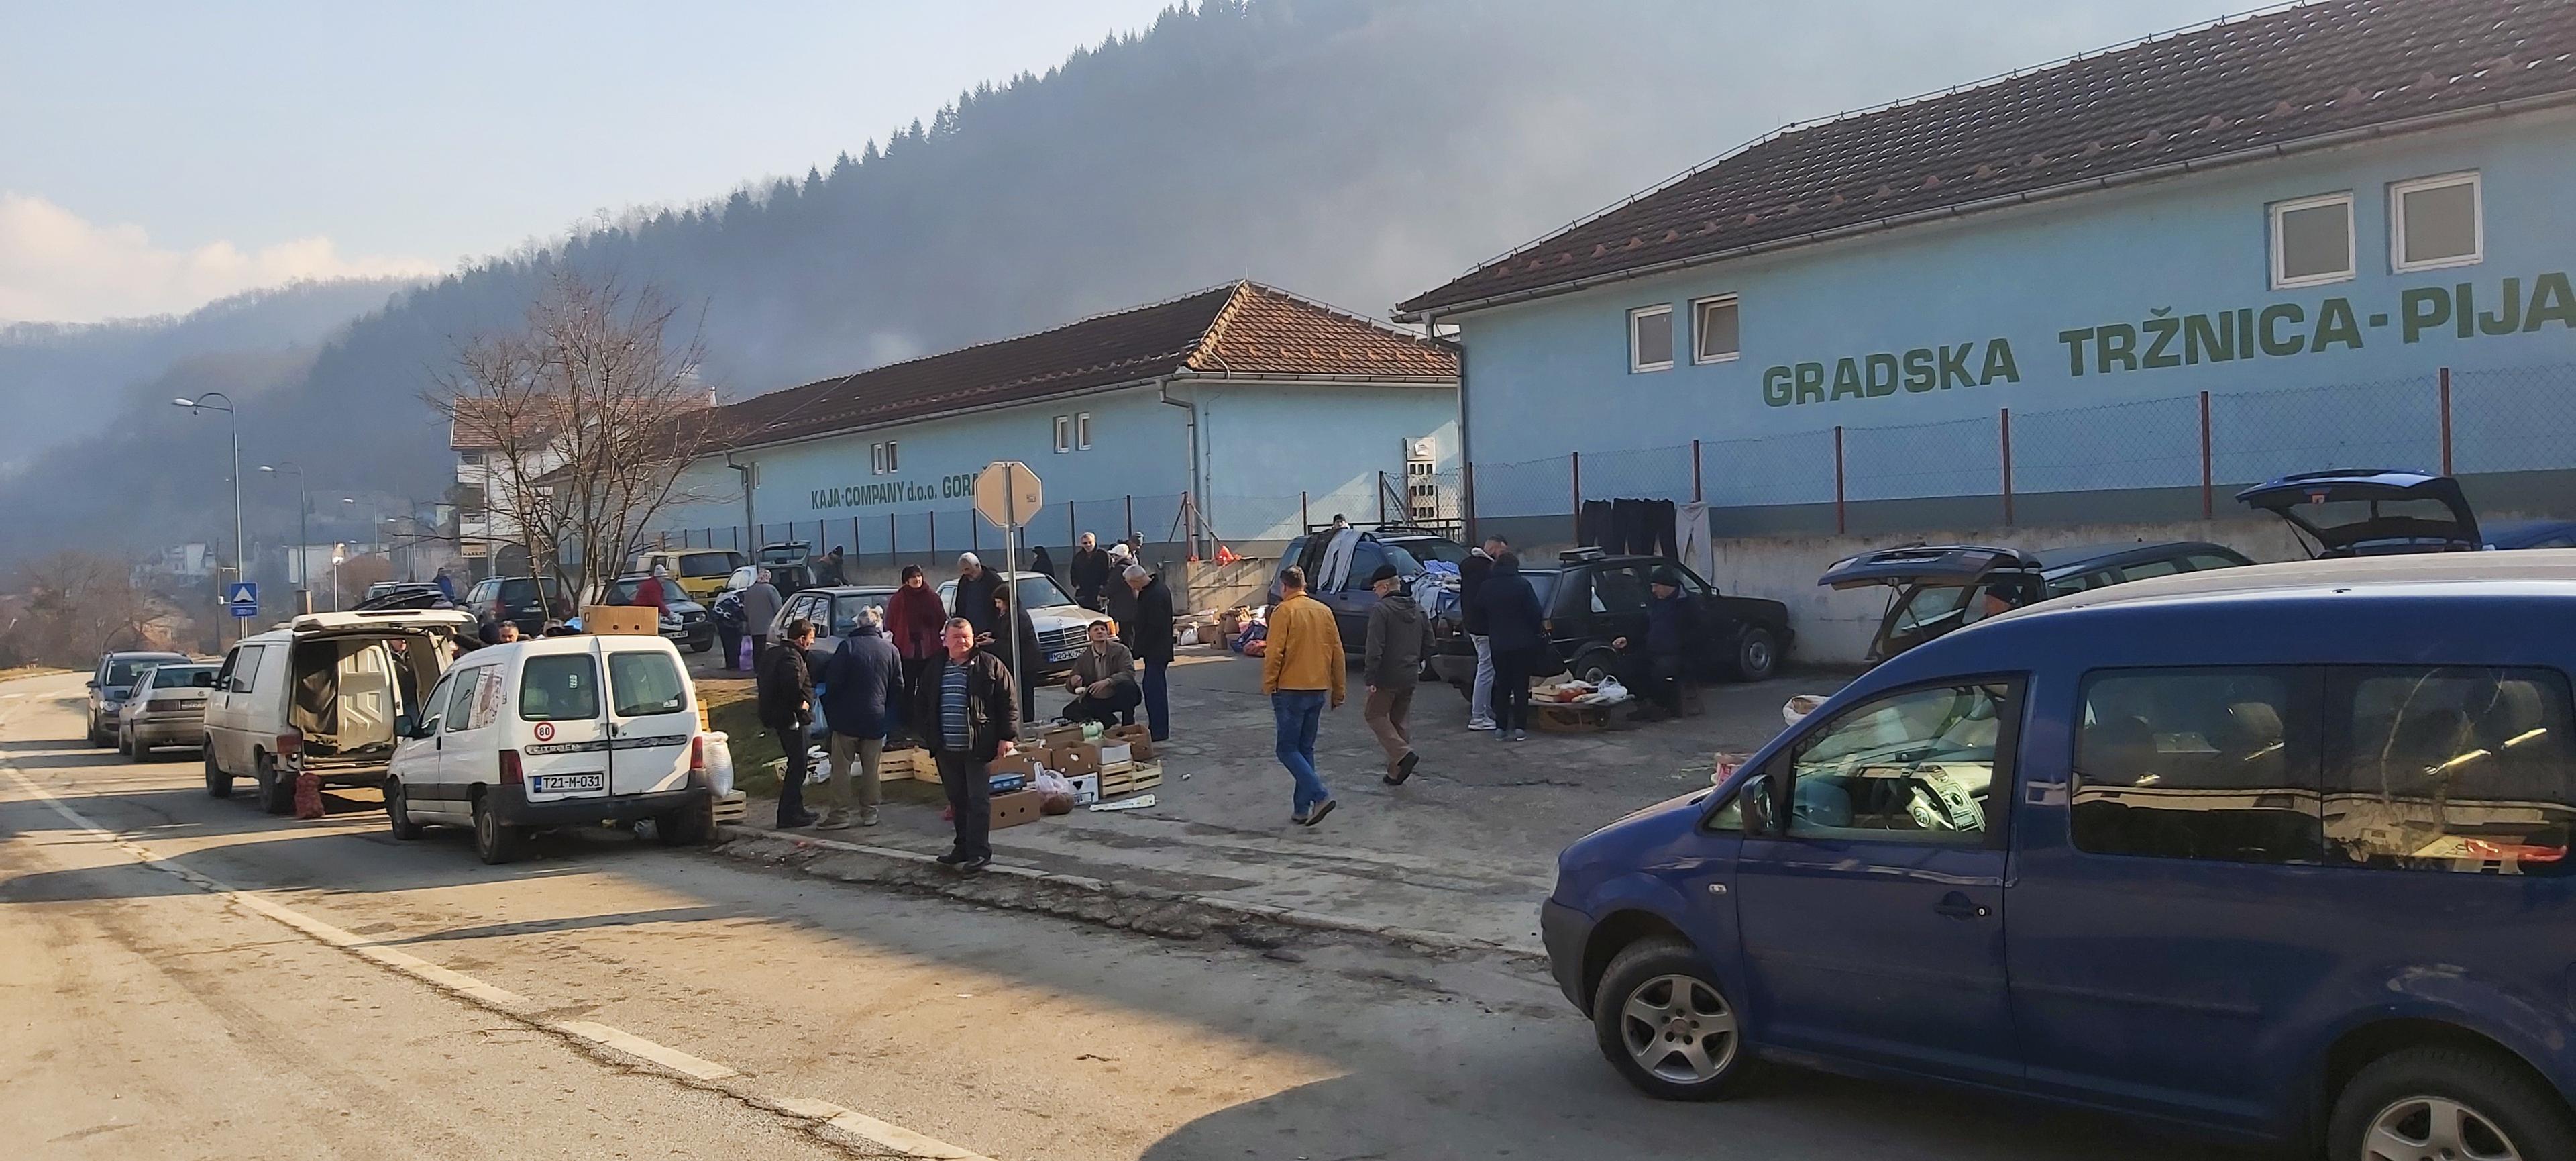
[
  {"x": 124, "y": 672},
  {"x": 559, "y": 687},
  {"x": 646, "y": 683},
  {"x": 524, "y": 591},
  {"x": 1433, "y": 548},
  {"x": 706, "y": 563},
  {"x": 179, "y": 676}
]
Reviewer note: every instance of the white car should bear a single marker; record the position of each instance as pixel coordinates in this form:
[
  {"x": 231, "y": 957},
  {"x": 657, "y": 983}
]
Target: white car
[
  {"x": 327, "y": 694},
  {"x": 1063, "y": 627},
  {"x": 557, "y": 731},
  {"x": 167, "y": 708}
]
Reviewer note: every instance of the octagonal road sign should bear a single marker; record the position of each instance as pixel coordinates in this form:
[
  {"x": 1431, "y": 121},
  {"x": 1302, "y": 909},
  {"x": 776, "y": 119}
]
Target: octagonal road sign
[{"x": 1008, "y": 493}]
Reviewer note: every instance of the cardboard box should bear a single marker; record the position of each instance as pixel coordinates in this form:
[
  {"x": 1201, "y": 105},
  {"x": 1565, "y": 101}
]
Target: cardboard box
[
  {"x": 1086, "y": 789},
  {"x": 1139, "y": 740},
  {"x": 1078, "y": 758},
  {"x": 1115, "y": 754},
  {"x": 1062, "y": 736},
  {"x": 1016, "y": 762},
  {"x": 1014, "y": 808},
  {"x": 621, "y": 620}
]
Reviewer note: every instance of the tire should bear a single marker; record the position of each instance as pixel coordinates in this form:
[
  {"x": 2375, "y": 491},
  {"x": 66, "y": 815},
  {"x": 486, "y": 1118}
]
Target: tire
[
  {"x": 218, "y": 783},
  {"x": 276, "y": 795},
  {"x": 1757, "y": 654},
  {"x": 701, "y": 645},
  {"x": 1669, "y": 975},
  {"x": 97, "y": 739},
  {"x": 404, "y": 828},
  {"x": 688, "y": 827},
  {"x": 2503, "y": 1110},
  {"x": 124, "y": 744},
  {"x": 496, "y": 842},
  {"x": 1595, "y": 663},
  {"x": 135, "y": 749}
]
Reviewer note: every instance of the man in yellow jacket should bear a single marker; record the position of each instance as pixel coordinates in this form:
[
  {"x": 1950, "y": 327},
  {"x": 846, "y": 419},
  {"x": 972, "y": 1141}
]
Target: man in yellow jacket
[{"x": 1301, "y": 670}]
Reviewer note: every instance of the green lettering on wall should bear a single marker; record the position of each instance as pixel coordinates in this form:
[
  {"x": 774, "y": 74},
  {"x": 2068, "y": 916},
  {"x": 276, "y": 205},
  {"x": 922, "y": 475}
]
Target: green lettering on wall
[
  {"x": 1811, "y": 382},
  {"x": 2551, "y": 301},
  {"x": 2510, "y": 321},
  {"x": 1882, "y": 374},
  {"x": 2075, "y": 341},
  {"x": 1847, "y": 379},
  {"x": 2116, "y": 343},
  {"x": 1775, "y": 386},
  {"x": 2422, "y": 308},
  {"x": 1954, "y": 366},
  {"x": 1999, "y": 363},
  {"x": 2204, "y": 339},
  {"x": 1919, "y": 372},
  {"x": 2336, "y": 324},
  {"x": 2275, "y": 340}
]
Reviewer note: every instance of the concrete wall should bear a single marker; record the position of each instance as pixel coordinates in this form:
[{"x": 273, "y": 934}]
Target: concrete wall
[
  {"x": 1266, "y": 444},
  {"x": 1553, "y": 375}
]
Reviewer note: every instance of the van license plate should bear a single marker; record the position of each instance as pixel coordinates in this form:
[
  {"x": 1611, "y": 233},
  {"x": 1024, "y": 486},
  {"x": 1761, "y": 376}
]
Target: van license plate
[{"x": 569, "y": 783}]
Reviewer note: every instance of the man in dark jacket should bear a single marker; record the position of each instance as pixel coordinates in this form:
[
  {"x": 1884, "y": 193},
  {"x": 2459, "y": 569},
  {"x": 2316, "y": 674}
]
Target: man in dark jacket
[
  {"x": 1089, "y": 571},
  {"x": 966, "y": 710},
  {"x": 1471, "y": 618},
  {"x": 1148, "y": 635},
  {"x": 1672, "y": 623},
  {"x": 787, "y": 708},
  {"x": 1391, "y": 665},
  {"x": 1102, "y": 681},
  {"x": 859, "y": 684},
  {"x": 1517, "y": 628},
  {"x": 976, "y": 585},
  {"x": 828, "y": 570}
]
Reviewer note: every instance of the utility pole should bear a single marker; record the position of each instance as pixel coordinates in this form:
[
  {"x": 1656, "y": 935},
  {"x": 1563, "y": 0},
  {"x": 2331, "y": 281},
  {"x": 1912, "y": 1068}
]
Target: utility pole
[
  {"x": 303, "y": 535},
  {"x": 241, "y": 551}
]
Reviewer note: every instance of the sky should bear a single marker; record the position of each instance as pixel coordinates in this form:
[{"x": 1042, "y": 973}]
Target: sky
[{"x": 155, "y": 156}]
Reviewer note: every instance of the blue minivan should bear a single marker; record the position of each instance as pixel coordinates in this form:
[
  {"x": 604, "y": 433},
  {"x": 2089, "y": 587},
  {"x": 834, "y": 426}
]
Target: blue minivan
[{"x": 2273, "y": 852}]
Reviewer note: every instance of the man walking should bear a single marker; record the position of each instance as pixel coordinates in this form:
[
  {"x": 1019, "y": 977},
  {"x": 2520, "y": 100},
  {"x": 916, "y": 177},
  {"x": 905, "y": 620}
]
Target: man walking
[
  {"x": 1089, "y": 571},
  {"x": 760, "y": 607},
  {"x": 1301, "y": 670},
  {"x": 787, "y": 707},
  {"x": 976, "y": 585},
  {"x": 858, "y": 687},
  {"x": 1398, "y": 636},
  {"x": 1471, "y": 617},
  {"x": 1148, "y": 634},
  {"x": 966, "y": 709}
]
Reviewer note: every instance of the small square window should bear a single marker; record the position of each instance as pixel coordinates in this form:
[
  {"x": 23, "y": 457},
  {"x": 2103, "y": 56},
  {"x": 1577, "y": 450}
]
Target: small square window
[
  {"x": 1650, "y": 339},
  {"x": 2435, "y": 222},
  {"x": 1063, "y": 434},
  {"x": 1713, "y": 330},
  {"x": 2312, "y": 241},
  {"x": 1082, "y": 430}
]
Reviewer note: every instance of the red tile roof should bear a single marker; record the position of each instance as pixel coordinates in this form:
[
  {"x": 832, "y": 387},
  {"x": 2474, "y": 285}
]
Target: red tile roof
[
  {"x": 2240, "y": 87},
  {"x": 1240, "y": 329}
]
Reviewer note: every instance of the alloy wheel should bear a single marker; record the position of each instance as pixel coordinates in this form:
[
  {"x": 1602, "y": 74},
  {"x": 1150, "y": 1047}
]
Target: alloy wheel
[
  {"x": 2431, "y": 1128},
  {"x": 1679, "y": 1029}
]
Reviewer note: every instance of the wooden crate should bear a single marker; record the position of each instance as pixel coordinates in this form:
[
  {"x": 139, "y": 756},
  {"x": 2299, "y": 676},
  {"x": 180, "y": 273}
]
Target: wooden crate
[
  {"x": 1569, "y": 719},
  {"x": 1135, "y": 778}
]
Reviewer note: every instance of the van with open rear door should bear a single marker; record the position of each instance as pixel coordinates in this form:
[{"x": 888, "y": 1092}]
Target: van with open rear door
[
  {"x": 326, "y": 694},
  {"x": 555, "y": 732}
]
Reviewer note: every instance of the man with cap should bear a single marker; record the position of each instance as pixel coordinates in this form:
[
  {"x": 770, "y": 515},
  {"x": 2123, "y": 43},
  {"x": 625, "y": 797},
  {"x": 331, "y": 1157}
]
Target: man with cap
[
  {"x": 1672, "y": 622},
  {"x": 975, "y": 587},
  {"x": 1398, "y": 637}
]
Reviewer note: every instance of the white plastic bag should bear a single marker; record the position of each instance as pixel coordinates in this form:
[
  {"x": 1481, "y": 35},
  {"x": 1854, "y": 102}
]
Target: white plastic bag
[
  {"x": 1050, "y": 782},
  {"x": 720, "y": 763}
]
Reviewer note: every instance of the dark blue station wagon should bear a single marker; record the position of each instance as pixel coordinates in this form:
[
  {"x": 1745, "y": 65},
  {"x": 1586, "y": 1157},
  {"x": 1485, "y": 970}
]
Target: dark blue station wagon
[{"x": 2274, "y": 852}]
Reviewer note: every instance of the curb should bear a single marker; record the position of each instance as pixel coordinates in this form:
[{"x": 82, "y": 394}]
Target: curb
[{"x": 1152, "y": 910}]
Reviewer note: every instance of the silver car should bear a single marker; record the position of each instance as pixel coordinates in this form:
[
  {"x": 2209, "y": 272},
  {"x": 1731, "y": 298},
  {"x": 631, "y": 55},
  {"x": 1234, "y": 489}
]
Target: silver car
[
  {"x": 112, "y": 681},
  {"x": 167, "y": 708}
]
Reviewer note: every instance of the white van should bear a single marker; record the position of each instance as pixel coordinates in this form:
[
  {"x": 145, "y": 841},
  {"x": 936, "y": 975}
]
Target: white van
[
  {"x": 327, "y": 693},
  {"x": 528, "y": 735}
]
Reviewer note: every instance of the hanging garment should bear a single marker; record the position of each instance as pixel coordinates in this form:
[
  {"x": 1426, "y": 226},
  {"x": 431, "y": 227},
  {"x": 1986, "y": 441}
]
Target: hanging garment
[
  {"x": 1660, "y": 531},
  {"x": 1627, "y": 526},
  {"x": 1592, "y": 526},
  {"x": 1698, "y": 551},
  {"x": 1335, "y": 568}
]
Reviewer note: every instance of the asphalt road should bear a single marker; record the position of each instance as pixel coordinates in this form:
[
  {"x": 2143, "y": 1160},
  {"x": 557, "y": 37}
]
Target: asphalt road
[{"x": 170, "y": 987}]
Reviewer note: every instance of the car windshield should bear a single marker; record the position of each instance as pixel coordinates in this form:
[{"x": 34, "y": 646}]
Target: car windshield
[
  {"x": 179, "y": 676},
  {"x": 1039, "y": 591},
  {"x": 706, "y": 563},
  {"x": 124, "y": 670}
]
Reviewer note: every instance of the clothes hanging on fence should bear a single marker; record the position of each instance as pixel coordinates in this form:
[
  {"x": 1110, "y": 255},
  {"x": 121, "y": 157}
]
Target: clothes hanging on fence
[
  {"x": 1659, "y": 533},
  {"x": 1592, "y": 525},
  {"x": 1639, "y": 526},
  {"x": 1698, "y": 551}
]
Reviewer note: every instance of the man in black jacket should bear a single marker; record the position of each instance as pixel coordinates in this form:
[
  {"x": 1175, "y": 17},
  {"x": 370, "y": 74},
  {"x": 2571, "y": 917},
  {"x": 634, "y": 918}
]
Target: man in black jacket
[
  {"x": 1150, "y": 638},
  {"x": 1089, "y": 571},
  {"x": 966, "y": 713},
  {"x": 787, "y": 708}
]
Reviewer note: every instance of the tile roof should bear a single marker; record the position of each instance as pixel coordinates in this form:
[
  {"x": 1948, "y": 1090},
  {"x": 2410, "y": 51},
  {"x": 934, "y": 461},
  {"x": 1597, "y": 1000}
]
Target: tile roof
[
  {"x": 1239, "y": 329},
  {"x": 2238, "y": 87}
]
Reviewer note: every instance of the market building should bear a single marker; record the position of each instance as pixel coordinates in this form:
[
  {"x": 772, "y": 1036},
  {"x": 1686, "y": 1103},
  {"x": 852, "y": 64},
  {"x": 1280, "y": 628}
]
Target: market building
[
  {"x": 2078, "y": 300},
  {"x": 1230, "y": 415}
]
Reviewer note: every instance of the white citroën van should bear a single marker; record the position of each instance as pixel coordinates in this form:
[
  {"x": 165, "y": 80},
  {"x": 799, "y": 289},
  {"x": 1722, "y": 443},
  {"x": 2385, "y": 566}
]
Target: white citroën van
[
  {"x": 327, "y": 694},
  {"x": 556, "y": 731}
]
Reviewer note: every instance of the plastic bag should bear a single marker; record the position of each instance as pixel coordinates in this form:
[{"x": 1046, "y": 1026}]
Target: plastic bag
[
  {"x": 720, "y": 763},
  {"x": 1055, "y": 792}
]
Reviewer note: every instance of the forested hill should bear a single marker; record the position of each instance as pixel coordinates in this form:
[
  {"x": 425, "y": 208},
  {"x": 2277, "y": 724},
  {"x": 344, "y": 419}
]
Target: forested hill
[{"x": 1351, "y": 150}]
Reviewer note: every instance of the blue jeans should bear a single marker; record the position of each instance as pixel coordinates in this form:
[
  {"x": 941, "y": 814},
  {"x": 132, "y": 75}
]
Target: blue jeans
[
  {"x": 1158, "y": 701},
  {"x": 1299, "y": 712}
]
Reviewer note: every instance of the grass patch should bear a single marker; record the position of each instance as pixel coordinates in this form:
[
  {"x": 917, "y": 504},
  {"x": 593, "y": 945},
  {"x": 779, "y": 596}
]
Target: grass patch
[{"x": 733, "y": 709}]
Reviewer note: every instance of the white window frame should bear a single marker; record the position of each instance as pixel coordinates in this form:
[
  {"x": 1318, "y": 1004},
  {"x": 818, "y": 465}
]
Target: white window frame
[
  {"x": 471, "y": 459},
  {"x": 1082, "y": 430},
  {"x": 2397, "y": 192},
  {"x": 881, "y": 458},
  {"x": 894, "y": 461},
  {"x": 2351, "y": 234},
  {"x": 1636, "y": 367},
  {"x": 1697, "y": 305},
  {"x": 1063, "y": 434}
]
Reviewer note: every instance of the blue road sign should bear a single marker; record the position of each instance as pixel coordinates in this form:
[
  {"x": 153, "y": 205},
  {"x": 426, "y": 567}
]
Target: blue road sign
[{"x": 243, "y": 596}]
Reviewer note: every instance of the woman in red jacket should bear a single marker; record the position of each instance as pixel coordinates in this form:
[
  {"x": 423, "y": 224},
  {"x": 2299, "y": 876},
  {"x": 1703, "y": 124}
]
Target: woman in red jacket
[{"x": 914, "y": 620}]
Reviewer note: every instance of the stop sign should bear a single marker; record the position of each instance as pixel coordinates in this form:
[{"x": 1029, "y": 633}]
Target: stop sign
[{"x": 1008, "y": 493}]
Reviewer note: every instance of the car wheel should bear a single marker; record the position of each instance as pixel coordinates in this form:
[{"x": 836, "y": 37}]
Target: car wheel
[
  {"x": 96, "y": 738},
  {"x": 496, "y": 842},
  {"x": 686, "y": 827},
  {"x": 218, "y": 783},
  {"x": 1757, "y": 653},
  {"x": 276, "y": 793},
  {"x": 1596, "y": 663},
  {"x": 1666, "y": 1025},
  {"x": 124, "y": 743},
  {"x": 395, "y": 813},
  {"x": 137, "y": 749},
  {"x": 2452, "y": 1103}
]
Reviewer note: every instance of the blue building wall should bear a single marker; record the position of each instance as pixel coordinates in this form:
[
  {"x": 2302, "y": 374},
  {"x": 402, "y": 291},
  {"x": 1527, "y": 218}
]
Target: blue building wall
[
  {"x": 1266, "y": 445},
  {"x": 2050, "y": 282}
]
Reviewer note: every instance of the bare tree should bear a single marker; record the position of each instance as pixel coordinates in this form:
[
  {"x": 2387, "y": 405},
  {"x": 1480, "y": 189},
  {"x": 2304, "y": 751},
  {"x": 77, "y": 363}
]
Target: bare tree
[
  {"x": 80, "y": 604},
  {"x": 589, "y": 411}
]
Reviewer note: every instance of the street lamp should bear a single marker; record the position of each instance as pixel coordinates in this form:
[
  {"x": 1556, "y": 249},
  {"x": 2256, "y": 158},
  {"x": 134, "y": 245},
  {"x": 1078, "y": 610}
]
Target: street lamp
[
  {"x": 303, "y": 534},
  {"x": 241, "y": 551}
]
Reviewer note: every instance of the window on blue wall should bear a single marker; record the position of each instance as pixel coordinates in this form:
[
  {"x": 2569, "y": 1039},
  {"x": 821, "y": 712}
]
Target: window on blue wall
[
  {"x": 2434, "y": 222},
  {"x": 881, "y": 458},
  {"x": 1650, "y": 338},
  {"x": 1063, "y": 434},
  {"x": 2312, "y": 241},
  {"x": 1713, "y": 331},
  {"x": 1082, "y": 430}
]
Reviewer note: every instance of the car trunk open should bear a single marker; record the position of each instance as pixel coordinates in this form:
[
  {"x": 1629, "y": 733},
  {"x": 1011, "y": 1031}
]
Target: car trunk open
[
  {"x": 2372, "y": 513},
  {"x": 1936, "y": 588}
]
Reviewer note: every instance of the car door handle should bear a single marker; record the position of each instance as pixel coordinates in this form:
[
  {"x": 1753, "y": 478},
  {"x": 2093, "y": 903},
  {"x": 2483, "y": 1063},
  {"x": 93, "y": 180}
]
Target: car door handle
[{"x": 1957, "y": 906}]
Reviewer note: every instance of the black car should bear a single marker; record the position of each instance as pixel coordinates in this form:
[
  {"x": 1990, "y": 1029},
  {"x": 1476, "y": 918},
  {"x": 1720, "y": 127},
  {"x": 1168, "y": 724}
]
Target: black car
[
  {"x": 525, "y": 600},
  {"x": 684, "y": 622},
  {"x": 404, "y": 595},
  {"x": 1593, "y": 598},
  {"x": 1943, "y": 587},
  {"x": 1348, "y": 594}
]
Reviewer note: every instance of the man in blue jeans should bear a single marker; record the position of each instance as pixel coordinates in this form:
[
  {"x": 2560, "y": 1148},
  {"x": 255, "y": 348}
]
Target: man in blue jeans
[{"x": 1301, "y": 670}]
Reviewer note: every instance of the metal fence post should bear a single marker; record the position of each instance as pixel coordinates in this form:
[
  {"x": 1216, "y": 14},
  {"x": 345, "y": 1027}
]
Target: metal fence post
[
  {"x": 2004, "y": 421},
  {"x": 1467, "y": 498},
  {"x": 1131, "y": 516},
  {"x": 1381, "y": 495},
  {"x": 934, "y": 532},
  {"x": 1842, "y": 519},
  {"x": 1697, "y": 497},
  {"x": 1305, "y": 519},
  {"x": 894, "y": 544},
  {"x": 2208, "y": 499},
  {"x": 2446, "y": 421}
]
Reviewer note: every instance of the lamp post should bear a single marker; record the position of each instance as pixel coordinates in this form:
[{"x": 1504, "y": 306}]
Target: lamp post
[
  {"x": 241, "y": 551},
  {"x": 303, "y": 534}
]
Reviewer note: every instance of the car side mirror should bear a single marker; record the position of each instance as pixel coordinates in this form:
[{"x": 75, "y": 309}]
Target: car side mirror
[
  {"x": 425, "y": 729},
  {"x": 91, "y": 684},
  {"x": 1754, "y": 802}
]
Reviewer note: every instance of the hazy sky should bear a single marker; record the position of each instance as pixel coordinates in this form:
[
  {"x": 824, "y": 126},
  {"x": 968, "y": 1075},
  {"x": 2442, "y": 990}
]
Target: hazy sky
[{"x": 157, "y": 155}]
